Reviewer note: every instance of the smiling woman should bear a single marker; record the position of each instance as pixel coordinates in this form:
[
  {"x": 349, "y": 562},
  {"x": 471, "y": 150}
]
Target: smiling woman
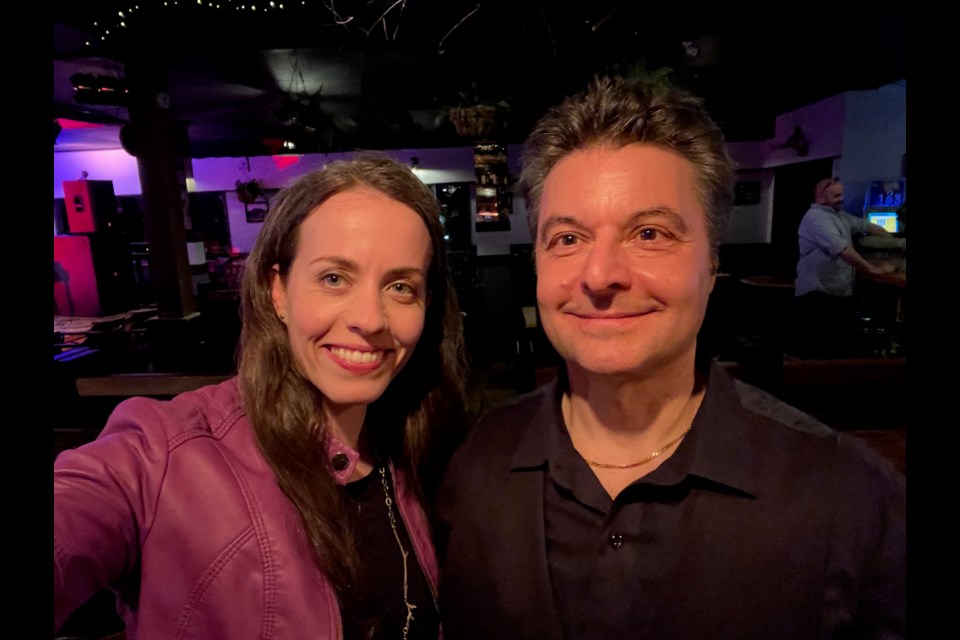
[
  {"x": 354, "y": 300},
  {"x": 325, "y": 449}
]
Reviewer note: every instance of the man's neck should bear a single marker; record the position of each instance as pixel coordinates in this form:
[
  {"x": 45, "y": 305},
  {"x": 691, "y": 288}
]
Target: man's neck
[
  {"x": 637, "y": 406},
  {"x": 636, "y": 421}
]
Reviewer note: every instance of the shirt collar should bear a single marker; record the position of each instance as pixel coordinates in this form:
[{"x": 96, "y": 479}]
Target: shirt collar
[
  {"x": 719, "y": 447},
  {"x": 825, "y": 208}
]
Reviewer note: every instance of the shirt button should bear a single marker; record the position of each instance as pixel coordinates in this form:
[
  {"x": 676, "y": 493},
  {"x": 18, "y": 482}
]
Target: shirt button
[
  {"x": 340, "y": 461},
  {"x": 616, "y": 540}
]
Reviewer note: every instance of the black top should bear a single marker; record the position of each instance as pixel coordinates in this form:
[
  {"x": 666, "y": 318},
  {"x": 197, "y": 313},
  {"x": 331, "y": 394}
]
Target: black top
[
  {"x": 751, "y": 529},
  {"x": 380, "y": 602}
]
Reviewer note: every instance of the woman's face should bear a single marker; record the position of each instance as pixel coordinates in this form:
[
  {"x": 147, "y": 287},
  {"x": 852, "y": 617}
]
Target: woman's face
[{"x": 355, "y": 297}]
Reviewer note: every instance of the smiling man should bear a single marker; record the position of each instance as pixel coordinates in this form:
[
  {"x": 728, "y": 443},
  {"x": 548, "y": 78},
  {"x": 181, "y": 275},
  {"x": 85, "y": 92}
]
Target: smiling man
[{"x": 636, "y": 496}]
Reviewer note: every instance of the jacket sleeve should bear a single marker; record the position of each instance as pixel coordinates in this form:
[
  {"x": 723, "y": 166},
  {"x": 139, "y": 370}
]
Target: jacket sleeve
[{"x": 104, "y": 499}]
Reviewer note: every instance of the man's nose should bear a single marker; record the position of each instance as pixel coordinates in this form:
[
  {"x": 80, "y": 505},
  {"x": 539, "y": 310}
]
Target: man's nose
[{"x": 606, "y": 268}]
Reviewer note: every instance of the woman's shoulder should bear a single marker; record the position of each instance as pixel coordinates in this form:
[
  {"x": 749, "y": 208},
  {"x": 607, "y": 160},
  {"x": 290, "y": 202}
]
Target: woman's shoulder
[{"x": 211, "y": 410}]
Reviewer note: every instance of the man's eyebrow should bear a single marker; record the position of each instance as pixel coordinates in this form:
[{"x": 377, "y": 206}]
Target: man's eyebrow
[
  {"x": 408, "y": 272},
  {"x": 670, "y": 214},
  {"x": 674, "y": 218},
  {"x": 554, "y": 221}
]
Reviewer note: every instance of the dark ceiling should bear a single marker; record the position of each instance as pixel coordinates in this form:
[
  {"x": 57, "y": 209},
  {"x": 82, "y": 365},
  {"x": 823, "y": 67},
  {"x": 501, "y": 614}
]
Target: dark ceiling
[{"x": 380, "y": 72}]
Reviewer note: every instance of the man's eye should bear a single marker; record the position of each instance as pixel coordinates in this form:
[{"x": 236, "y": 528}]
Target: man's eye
[
  {"x": 649, "y": 234},
  {"x": 402, "y": 287},
  {"x": 567, "y": 239}
]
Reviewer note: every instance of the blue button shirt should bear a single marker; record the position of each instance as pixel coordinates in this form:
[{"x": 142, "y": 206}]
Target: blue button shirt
[{"x": 823, "y": 234}]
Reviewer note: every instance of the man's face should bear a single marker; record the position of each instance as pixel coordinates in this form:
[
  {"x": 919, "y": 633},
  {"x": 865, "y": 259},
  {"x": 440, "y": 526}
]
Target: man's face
[
  {"x": 623, "y": 260},
  {"x": 833, "y": 197}
]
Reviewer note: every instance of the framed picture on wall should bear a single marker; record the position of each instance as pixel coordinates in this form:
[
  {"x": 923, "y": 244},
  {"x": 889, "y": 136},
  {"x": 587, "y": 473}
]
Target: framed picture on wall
[
  {"x": 745, "y": 193},
  {"x": 257, "y": 210}
]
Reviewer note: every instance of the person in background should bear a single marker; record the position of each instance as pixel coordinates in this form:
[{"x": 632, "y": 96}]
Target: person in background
[
  {"x": 287, "y": 502},
  {"x": 636, "y": 496},
  {"x": 826, "y": 313}
]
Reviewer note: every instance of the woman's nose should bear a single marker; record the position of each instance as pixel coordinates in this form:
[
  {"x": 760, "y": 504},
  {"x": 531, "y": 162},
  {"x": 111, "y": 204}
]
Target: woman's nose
[{"x": 366, "y": 312}]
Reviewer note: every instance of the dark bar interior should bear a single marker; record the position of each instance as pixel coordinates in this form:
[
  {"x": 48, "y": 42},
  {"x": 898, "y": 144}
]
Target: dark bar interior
[{"x": 170, "y": 142}]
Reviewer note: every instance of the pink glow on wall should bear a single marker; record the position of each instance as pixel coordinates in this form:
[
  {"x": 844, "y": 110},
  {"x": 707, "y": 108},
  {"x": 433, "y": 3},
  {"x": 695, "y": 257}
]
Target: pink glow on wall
[
  {"x": 67, "y": 123},
  {"x": 282, "y": 162}
]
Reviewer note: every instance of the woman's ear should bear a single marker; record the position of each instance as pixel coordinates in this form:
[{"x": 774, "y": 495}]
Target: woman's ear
[{"x": 278, "y": 291}]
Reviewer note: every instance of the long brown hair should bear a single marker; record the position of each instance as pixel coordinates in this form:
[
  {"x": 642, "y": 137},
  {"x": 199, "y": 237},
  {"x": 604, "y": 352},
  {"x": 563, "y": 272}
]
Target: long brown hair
[{"x": 415, "y": 422}]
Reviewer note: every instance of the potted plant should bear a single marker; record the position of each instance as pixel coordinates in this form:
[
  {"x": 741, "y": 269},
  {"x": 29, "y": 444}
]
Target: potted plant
[
  {"x": 476, "y": 119},
  {"x": 250, "y": 191}
]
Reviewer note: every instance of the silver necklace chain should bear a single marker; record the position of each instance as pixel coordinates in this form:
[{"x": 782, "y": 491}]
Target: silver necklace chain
[{"x": 403, "y": 552}]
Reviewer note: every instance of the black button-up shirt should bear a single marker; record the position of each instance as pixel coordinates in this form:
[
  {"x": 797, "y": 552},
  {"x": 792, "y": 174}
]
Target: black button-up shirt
[{"x": 752, "y": 529}]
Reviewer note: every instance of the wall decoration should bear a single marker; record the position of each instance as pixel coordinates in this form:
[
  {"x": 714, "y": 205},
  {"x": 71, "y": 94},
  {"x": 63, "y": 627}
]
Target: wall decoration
[
  {"x": 746, "y": 192},
  {"x": 256, "y": 210}
]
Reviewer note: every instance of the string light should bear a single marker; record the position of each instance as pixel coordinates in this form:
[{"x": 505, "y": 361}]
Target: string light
[{"x": 126, "y": 16}]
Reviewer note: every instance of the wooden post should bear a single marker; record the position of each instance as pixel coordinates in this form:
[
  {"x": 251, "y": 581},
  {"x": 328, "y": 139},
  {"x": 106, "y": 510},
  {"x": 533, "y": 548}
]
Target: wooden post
[{"x": 158, "y": 142}]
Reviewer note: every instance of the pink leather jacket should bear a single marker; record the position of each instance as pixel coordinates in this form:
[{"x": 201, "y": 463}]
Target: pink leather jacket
[{"x": 175, "y": 508}]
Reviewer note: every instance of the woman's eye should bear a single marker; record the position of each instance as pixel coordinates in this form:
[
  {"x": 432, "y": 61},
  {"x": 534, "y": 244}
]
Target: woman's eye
[{"x": 333, "y": 279}]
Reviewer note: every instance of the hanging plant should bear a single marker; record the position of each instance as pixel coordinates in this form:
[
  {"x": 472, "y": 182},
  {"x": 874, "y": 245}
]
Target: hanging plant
[
  {"x": 638, "y": 71},
  {"x": 250, "y": 191},
  {"x": 310, "y": 126},
  {"x": 476, "y": 119}
]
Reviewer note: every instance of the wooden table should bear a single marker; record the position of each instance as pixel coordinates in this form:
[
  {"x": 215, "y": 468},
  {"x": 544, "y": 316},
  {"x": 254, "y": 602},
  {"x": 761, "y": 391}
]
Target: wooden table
[
  {"x": 776, "y": 282},
  {"x": 897, "y": 279}
]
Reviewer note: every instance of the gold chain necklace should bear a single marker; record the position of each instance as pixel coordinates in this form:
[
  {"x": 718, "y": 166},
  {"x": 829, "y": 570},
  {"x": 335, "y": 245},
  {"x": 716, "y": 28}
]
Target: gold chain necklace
[
  {"x": 403, "y": 552},
  {"x": 652, "y": 456}
]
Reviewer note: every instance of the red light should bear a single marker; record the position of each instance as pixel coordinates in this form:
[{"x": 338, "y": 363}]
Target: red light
[
  {"x": 282, "y": 162},
  {"x": 66, "y": 123}
]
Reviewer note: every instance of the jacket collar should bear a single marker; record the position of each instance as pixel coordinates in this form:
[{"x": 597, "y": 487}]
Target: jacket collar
[{"x": 336, "y": 450}]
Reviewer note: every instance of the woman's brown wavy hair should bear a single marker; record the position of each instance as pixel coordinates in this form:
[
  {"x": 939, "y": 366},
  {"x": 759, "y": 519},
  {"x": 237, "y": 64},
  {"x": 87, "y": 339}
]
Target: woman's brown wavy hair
[{"x": 417, "y": 420}]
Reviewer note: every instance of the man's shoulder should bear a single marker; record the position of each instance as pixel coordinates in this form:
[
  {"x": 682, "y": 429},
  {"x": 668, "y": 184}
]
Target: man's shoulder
[
  {"x": 818, "y": 214},
  {"x": 807, "y": 447},
  {"x": 492, "y": 442},
  {"x": 508, "y": 422}
]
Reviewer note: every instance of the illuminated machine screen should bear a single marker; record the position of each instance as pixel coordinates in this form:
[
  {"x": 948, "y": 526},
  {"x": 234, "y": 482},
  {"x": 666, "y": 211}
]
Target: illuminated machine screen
[{"x": 885, "y": 219}]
